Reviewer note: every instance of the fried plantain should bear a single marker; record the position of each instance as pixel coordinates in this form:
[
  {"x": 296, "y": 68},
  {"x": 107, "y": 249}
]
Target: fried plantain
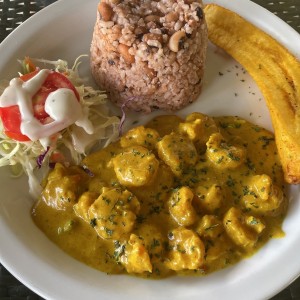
[{"x": 276, "y": 72}]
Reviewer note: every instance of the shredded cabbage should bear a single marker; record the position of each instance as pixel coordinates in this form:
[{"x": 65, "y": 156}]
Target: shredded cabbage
[{"x": 70, "y": 145}]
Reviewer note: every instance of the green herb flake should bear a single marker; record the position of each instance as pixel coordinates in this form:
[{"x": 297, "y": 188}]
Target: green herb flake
[
  {"x": 93, "y": 222},
  {"x": 108, "y": 231}
]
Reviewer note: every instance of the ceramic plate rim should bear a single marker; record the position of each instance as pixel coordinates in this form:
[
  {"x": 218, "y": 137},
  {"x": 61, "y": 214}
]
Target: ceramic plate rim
[{"x": 14, "y": 262}]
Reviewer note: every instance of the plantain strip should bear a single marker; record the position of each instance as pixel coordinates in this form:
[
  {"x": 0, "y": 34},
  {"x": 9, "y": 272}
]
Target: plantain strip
[{"x": 276, "y": 72}]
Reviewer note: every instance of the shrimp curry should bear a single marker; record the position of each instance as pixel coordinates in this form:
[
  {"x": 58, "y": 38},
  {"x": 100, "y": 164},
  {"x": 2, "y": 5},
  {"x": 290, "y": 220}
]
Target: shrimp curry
[{"x": 171, "y": 197}]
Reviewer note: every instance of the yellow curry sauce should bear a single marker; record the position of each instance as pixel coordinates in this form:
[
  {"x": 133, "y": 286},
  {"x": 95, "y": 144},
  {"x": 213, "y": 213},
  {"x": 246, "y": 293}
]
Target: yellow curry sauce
[{"x": 173, "y": 197}]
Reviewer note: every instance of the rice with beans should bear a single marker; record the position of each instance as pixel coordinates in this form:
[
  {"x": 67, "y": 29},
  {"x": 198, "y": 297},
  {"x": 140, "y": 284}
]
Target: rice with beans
[{"x": 149, "y": 54}]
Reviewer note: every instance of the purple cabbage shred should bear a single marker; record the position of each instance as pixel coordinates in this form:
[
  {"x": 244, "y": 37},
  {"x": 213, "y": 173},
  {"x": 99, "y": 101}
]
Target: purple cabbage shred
[
  {"x": 41, "y": 158},
  {"x": 87, "y": 171},
  {"x": 122, "y": 121}
]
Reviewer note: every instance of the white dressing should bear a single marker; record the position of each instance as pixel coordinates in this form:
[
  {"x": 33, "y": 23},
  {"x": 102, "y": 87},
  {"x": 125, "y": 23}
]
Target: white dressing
[
  {"x": 62, "y": 106},
  {"x": 20, "y": 93}
]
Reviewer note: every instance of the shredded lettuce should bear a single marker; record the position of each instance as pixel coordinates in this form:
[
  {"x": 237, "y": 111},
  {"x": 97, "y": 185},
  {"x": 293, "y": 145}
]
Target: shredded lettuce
[{"x": 68, "y": 146}]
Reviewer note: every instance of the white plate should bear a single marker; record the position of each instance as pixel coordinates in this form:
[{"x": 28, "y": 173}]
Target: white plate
[{"x": 63, "y": 30}]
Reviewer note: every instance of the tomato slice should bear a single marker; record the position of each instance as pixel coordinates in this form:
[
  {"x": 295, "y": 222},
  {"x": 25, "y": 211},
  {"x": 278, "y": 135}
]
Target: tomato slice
[
  {"x": 11, "y": 117},
  {"x": 11, "y": 120}
]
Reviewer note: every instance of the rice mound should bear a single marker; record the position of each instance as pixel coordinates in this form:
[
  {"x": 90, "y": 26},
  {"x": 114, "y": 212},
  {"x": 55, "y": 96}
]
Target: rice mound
[{"x": 149, "y": 54}]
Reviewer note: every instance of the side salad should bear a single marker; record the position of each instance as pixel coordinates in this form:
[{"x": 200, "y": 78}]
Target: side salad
[{"x": 66, "y": 118}]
